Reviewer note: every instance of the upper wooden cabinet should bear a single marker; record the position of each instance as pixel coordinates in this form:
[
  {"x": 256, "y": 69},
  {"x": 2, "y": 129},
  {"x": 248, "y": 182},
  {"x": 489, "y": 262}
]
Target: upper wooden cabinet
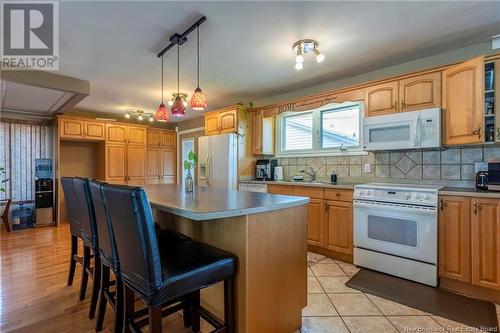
[
  {"x": 116, "y": 134},
  {"x": 263, "y": 134},
  {"x": 168, "y": 139},
  {"x": 485, "y": 242},
  {"x": 381, "y": 99},
  {"x": 222, "y": 121},
  {"x": 70, "y": 128},
  {"x": 406, "y": 94},
  {"x": 463, "y": 99},
  {"x": 161, "y": 138},
  {"x": 420, "y": 92},
  {"x": 153, "y": 137},
  {"x": 454, "y": 238},
  {"x": 136, "y": 135}
]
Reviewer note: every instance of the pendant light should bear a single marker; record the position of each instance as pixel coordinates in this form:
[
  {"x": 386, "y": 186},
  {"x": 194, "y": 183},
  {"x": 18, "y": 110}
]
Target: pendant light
[
  {"x": 198, "y": 100},
  {"x": 161, "y": 113},
  {"x": 178, "y": 109}
]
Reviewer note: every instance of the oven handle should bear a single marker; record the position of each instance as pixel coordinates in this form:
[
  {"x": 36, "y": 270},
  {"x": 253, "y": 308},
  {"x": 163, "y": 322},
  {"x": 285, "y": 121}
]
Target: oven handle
[{"x": 426, "y": 210}]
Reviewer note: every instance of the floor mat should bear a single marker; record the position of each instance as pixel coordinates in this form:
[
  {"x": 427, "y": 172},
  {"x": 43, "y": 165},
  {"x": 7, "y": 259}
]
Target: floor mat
[{"x": 462, "y": 309}]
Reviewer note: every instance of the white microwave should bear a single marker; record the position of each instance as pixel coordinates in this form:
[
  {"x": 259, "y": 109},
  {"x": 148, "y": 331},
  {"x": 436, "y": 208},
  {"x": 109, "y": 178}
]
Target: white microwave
[{"x": 405, "y": 130}]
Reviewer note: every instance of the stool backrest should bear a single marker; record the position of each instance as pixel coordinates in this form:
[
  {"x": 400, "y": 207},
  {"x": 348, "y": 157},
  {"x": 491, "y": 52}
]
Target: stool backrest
[
  {"x": 133, "y": 226},
  {"x": 85, "y": 211},
  {"x": 107, "y": 245},
  {"x": 69, "y": 195}
]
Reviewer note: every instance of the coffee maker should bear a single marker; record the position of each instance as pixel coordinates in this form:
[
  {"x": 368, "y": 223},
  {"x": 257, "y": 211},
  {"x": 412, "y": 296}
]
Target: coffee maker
[{"x": 264, "y": 169}]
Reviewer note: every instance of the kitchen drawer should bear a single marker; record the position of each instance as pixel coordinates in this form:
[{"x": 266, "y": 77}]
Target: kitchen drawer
[
  {"x": 281, "y": 189},
  {"x": 311, "y": 192},
  {"x": 338, "y": 194}
]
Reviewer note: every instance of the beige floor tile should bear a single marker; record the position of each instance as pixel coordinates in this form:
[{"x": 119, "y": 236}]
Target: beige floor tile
[
  {"x": 309, "y": 272},
  {"x": 354, "y": 305},
  {"x": 348, "y": 268},
  {"x": 453, "y": 326},
  {"x": 406, "y": 324},
  {"x": 313, "y": 258},
  {"x": 336, "y": 284},
  {"x": 313, "y": 286},
  {"x": 327, "y": 260},
  {"x": 369, "y": 325},
  {"x": 394, "y": 309},
  {"x": 322, "y": 269},
  {"x": 318, "y": 305},
  {"x": 323, "y": 325}
]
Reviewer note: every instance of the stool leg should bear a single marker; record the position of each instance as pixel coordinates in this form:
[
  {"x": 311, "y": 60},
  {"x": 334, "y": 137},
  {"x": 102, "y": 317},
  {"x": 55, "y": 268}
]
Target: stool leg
[
  {"x": 129, "y": 307},
  {"x": 195, "y": 319},
  {"x": 229, "y": 304},
  {"x": 119, "y": 306},
  {"x": 155, "y": 319},
  {"x": 96, "y": 285},
  {"x": 72, "y": 261},
  {"x": 102, "y": 299},
  {"x": 85, "y": 274},
  {"x": 187, "y": 309}
]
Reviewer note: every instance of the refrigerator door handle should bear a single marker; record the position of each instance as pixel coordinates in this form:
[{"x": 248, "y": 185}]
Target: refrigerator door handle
[{"x": 208, "y": 172}]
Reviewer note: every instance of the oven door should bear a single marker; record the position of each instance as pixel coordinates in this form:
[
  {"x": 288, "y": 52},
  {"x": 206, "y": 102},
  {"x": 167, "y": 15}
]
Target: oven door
[
  {"x": 386, "y": 133},
  {"x": 400, "y": 230}
]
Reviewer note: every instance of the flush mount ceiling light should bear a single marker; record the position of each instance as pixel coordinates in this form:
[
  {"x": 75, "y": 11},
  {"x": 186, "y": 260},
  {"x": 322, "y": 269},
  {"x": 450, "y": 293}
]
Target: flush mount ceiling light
[
  {"x": 304, "y": 47},
  {"x": 140, "y": 114}
]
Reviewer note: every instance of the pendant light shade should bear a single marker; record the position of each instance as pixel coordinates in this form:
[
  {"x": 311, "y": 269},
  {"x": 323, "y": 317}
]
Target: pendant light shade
[
  {"x": 198, "y": 100},
  {"x": 162, "y": 113},
  {"x": 178, "y": 109}
]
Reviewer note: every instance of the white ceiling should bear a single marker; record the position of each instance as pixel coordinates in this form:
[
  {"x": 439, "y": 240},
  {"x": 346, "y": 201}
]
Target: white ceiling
[{"x": 246, "y": 46}]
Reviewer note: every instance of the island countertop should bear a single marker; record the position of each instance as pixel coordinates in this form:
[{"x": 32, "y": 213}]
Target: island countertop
[{"x": 206, "y": 203}]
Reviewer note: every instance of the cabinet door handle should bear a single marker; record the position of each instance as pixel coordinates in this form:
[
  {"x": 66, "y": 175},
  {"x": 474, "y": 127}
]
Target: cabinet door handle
[
  {"x": 477, "y": 132},
  {"x": 403, "y": 105},
  {"x": 476, "y": 207},
  {"x": 326, "y": 208},
  {"x": 395, "y": 106},
  {"x": 443, "y": 204}
]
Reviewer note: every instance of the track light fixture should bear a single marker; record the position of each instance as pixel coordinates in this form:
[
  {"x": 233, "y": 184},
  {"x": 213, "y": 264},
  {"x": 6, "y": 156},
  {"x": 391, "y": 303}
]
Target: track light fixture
[
  {"x": 304, "y": 47},
  {"x": 140, "y": 114}
]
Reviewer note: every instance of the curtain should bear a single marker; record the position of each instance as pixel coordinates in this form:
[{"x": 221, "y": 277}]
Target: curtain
[{"x": 21, "y": 142}]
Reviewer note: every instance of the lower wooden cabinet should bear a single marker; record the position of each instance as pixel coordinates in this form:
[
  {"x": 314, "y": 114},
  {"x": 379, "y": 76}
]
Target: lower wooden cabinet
[
  {"x": 469, "y": 240},
  {"x": 125, "y": 164},
  {"x": 454, "y": 238},
  {"x": 485, "y": 242},
  {"x": 338, "y": 219},
  {"x": 329, "y": 218},
  {"x": 136, "y": 165},
  {"x": 160, "y": 166}
]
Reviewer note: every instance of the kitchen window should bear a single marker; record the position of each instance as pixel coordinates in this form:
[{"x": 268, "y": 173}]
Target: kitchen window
[{"x": 329, "y": 129}]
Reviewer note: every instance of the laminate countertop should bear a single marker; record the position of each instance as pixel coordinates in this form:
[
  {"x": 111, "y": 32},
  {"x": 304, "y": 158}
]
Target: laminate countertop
[
  {"x": 206, "y": 203},
  {"x": 469, "y": 192}
]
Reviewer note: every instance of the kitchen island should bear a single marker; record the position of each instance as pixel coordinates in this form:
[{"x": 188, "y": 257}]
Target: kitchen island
[{"x": 267, "y": 233}]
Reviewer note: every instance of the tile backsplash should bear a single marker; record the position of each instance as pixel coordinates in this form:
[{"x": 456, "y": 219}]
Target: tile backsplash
[{"x": 453, "y": 164}]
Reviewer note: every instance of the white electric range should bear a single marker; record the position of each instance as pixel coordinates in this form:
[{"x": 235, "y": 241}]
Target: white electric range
[{"x": 395, "y": 230}]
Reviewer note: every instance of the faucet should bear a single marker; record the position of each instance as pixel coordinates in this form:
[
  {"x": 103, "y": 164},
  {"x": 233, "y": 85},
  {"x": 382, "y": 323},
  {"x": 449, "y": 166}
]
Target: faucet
[{"x": 310, "y": 172}]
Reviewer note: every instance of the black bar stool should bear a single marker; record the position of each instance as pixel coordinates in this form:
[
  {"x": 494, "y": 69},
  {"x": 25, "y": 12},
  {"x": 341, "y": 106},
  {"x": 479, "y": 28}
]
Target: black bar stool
[
  {"x": 160, "y": 273},
  {"x": 82, "y": 226}
]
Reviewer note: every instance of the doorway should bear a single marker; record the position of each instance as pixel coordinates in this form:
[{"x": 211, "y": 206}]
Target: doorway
[{"x": 187, "y": 145}]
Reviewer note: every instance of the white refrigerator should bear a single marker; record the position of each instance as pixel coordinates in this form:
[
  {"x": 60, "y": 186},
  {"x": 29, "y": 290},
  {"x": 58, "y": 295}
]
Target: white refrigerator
[{"x": 218, "y": 161}]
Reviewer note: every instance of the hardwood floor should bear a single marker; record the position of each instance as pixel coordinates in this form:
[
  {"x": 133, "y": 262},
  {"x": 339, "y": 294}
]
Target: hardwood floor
[{"x": 34, "y": 296}]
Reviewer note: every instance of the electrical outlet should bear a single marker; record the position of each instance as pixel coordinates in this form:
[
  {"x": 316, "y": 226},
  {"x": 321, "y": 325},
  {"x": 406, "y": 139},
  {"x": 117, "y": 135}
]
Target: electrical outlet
[
  {"x": 366, "y": 167},
  {"x": 480, "y": 166}
]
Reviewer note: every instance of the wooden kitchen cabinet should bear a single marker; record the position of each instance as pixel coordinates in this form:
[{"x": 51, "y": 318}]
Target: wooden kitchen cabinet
[
  {"x": 420, "y": 92},
  {"x": 455, "y": 238},
  {"x": 70, "y": 128},
  {"x": 168, "y": 139},
  {"x": 115, "y": 161},
  {"x": 168, "y": 166},
  {"x": 463, "y": 103},
  {"x": 153, "y": 137},
  {"x": 224, "y": 120},
  {"x": 263, "y": 134},
  {"x": 338, "y": 220},
  {"x": 136, "y": 135},
  {"x": 485, "y": 242},
  {"x": 153, "y": 165},
  {"x": 228, "y": 122},
  {"x": 160, "y": 138},
  {"x": 280, "y": 189},
  {"x": 315, "y": 221},
  {"x": 212, "y": 124},
  {"x": 381, "y": 99},
  {"x": 116, "y": 134},
  {"x": 136, "y": 165}
]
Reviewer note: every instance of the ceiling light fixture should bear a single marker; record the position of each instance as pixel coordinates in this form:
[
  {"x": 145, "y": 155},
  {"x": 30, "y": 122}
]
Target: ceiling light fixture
[
  {"x": 161, "y": 114},
  {"x": 140, "y": 114},
  {"x": 178, "y": 109},
  {"x": 183, "y": 97},
  {"x": 198, "y": 100},
  {"x": 304, "y": 47}
]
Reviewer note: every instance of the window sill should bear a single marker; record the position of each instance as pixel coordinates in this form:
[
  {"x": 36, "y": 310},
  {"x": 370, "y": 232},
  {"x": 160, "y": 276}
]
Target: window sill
[{"x": 322, "y": 154}]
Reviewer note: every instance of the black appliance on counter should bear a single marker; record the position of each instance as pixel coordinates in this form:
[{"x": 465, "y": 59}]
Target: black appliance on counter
[
  {"x": 482, "y": 180},
  {"x": 489, "y": 180},
  {"x": 264, "y": 169}
]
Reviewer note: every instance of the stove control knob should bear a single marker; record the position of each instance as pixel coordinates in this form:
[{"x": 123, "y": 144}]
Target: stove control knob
[
  {"x": 361, "y": 193},
  {"x": 407, "y": 196},
  {"x": 427, "y": 196},
  {"x": 369, "y": 193},
  {"x": 418, "y": 196}
]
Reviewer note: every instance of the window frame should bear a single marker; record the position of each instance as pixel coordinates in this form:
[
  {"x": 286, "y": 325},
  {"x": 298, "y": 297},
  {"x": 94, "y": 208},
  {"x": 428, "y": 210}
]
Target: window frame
[{"x": 317, "y": 149}]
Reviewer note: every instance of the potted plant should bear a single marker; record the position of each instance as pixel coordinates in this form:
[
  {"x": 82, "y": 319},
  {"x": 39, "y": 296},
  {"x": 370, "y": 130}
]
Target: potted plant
[
  {"x": 3, "y": 181},
  {"x": 189, "y": 164}
]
